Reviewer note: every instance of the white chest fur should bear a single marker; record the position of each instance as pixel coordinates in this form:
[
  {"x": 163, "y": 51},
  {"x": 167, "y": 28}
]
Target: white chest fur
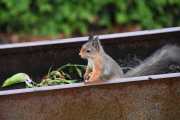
[{"x": 90, "y": 63}]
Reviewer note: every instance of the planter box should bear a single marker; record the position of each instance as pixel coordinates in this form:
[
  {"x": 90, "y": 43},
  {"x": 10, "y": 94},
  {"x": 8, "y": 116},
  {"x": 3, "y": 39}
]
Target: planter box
[{"x": 154, "y": 97}]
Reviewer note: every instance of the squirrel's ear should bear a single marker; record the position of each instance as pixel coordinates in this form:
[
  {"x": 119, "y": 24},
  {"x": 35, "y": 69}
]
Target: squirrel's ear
[
  {"x": 96, "y": 39},
  {"x": 96, "y": 43},
  {"x": 91, "y": 37}
]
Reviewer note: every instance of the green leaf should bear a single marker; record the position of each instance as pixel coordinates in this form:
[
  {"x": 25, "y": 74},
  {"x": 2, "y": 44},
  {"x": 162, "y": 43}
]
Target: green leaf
[
  {"x": 105, "y": 21},
  {"x": 56, "y": 82},
  {"x": 78, "y": 71},
  {"x": 160, "y": 2},
  {"x": 121, "y": 18},
  {"x": 17, "y": 78}
]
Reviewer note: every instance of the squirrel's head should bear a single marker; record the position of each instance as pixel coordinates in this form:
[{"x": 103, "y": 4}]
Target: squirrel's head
[{"x": 92, "y": 48}]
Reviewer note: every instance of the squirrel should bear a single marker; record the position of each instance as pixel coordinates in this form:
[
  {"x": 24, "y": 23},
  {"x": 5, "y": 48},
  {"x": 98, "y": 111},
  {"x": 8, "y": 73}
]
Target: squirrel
[{"x": 102, "y": 67}]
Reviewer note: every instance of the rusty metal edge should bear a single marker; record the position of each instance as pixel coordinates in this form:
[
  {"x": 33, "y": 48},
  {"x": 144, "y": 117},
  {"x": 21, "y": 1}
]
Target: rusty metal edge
[
  {"x": 81, "y": 39},
  {"x": 78, "y": 85}
]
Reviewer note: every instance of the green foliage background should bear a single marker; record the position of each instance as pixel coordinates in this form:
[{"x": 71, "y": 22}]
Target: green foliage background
[{"x": 52, "y": 17}]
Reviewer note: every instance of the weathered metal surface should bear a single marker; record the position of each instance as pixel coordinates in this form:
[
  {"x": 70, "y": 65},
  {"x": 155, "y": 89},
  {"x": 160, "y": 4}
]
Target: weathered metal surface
[{"x": 142, "y": 99}]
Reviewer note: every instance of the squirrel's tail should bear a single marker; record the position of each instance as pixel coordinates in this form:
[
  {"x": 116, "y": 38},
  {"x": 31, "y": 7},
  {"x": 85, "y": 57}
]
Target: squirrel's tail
[{"x": 154, "y": 64}]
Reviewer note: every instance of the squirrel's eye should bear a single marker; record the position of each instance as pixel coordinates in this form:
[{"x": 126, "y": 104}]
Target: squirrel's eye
[{"x": 88, "y": 51}]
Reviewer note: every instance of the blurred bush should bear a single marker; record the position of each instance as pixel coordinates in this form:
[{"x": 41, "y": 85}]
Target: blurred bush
[{"x": 68, "y": 17}]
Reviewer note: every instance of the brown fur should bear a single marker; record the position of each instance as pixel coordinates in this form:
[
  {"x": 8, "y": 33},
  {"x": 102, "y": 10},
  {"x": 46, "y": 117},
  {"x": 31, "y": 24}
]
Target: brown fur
[{"x": 97, "y": 69}]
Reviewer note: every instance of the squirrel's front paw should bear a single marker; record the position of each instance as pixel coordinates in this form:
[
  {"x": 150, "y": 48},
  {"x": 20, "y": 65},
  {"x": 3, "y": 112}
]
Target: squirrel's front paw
[
  {"x": 86, "y": 81},
  {"x": 92, "y": 81},
  {"x": 86, "y": 76}
]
